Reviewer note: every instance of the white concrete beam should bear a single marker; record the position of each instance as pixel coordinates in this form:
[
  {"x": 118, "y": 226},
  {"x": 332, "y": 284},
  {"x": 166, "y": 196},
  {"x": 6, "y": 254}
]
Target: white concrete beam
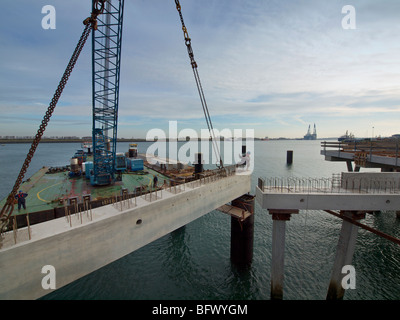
[
  {"x": 83, "y": 248},
  {"x": 327, "y": 201}
]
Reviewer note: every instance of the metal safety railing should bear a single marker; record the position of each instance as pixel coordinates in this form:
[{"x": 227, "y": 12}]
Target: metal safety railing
[
  {"x": 335, "y": 184},
  {"x": 174, "y": 186},
  {"x": 211, "y": 176}
]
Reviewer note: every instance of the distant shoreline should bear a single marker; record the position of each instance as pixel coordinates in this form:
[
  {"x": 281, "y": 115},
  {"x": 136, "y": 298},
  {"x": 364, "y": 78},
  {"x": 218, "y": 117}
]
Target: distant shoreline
[
  {"x": 47, "y": 140},
  {"x": 10, "y": 141}
]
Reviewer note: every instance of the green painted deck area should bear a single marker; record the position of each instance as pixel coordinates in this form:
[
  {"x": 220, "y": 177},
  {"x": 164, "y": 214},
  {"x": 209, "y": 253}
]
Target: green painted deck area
[{"x": 49, "y": 190}]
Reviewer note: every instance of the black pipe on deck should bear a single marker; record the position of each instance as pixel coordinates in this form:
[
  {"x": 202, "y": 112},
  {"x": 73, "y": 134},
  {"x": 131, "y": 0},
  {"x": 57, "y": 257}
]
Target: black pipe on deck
[{"x": 198, "y": 164}]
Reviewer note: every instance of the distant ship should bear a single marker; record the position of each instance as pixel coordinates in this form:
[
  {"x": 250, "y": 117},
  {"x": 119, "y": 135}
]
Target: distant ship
[
  {"x": 309, "y": 135},
  {"x": 347, "y": 137}
]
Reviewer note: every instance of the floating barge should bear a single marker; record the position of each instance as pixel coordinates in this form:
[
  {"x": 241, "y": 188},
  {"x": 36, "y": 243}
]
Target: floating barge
[{"x": 55, "y": 192}]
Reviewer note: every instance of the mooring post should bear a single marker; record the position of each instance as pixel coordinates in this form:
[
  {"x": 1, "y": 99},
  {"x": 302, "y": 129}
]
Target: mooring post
[
  {"x": 279, "y": 218},
  {"x": 242, "y": 232},
  {"x": 344, "y": 254},
  {"x": 289, "y": 157}
]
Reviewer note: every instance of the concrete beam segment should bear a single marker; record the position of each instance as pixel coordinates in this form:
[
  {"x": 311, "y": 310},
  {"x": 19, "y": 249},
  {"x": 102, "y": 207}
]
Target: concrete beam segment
[
  {"x": 371, "y": 180},
  {"x": 328, "y": 201},
  {"x": 83, "y": 248},
  {"x": 334, "y": 155}
]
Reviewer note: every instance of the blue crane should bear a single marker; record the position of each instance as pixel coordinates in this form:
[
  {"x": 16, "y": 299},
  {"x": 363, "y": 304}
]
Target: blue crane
[
  {"x": 106, "y": 61},
  {"x": 106, "y": 23},
  {"x": 106, "y": 50}
]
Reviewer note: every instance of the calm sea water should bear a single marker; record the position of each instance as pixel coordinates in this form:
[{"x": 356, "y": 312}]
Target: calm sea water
[{"x": 193, "y": 262}]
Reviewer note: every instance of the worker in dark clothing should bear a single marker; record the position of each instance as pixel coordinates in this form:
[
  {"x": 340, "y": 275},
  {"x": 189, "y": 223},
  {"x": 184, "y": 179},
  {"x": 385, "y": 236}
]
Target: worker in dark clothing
[
  {"x": 155, "y": 180},
  {"x": 21, "y": 199}
]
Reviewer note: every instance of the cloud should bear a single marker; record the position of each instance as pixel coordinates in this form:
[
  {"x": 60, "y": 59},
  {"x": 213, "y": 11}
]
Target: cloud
[{"x": 262, "y": 64}]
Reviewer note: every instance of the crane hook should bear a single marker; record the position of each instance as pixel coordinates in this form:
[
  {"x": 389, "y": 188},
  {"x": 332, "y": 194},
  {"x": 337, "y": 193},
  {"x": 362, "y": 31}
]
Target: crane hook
[{"x": 98, "y": 8}]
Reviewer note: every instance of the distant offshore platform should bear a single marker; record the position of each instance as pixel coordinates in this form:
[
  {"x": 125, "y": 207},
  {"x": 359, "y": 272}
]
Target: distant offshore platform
[{"x": 310, "y": 136}]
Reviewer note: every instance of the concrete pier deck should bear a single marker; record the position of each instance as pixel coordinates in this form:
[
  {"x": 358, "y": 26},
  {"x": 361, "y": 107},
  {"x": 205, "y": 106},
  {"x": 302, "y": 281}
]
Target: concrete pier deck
[
  {"x": 352, "y": 191},
  {"x": 382, "y": 154}
]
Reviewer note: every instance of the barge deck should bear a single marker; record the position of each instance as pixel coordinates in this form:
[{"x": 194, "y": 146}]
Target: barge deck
[{"x": 53, "y": 193}]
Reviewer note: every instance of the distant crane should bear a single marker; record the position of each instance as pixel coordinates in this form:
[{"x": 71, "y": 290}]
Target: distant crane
[{"x": 310, "y": 136}]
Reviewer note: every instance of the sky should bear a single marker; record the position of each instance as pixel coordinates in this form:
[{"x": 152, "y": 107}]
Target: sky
[{"x": 273, "y": 66}]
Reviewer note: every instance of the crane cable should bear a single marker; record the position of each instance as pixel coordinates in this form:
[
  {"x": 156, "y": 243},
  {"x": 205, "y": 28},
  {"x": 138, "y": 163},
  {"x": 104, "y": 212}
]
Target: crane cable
[
  {"x": 199, "y": 86},
  {"x": 90, "y": 23}
]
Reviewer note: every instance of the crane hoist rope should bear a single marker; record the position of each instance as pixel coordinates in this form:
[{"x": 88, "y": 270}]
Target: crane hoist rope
[
  {"x": 199, "y": 86},
  {"x": 90, "y": 23}
]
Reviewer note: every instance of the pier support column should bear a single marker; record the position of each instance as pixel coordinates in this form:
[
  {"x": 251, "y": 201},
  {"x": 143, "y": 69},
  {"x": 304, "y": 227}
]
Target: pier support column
[
  {"x": 344, "y": 254},
  {"x": 242, "y": 232},
  {"x": 279, "y": 218}
]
